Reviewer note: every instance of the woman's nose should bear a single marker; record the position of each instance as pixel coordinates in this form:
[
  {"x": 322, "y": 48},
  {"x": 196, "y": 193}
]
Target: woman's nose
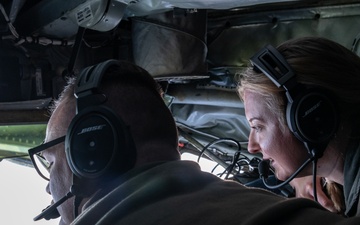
[{"x": 253, "y": 144}]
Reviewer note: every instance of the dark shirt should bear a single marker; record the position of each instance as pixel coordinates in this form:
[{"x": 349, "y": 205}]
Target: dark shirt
[{"x": 179, "y": 193}]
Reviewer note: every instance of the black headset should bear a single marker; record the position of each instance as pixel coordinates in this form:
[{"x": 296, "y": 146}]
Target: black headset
[
  {"x": 310, "y": 113},
  {"x": 98, "y": 143}
]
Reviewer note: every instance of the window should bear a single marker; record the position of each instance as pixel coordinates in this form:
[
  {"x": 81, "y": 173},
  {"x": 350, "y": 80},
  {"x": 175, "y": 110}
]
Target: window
[{"x": 22, "y": 191}]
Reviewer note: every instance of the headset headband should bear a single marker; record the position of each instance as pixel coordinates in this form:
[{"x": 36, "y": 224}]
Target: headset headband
[
  {"x": 88, "y": 84},
  {"x": 271, "y": 63}
]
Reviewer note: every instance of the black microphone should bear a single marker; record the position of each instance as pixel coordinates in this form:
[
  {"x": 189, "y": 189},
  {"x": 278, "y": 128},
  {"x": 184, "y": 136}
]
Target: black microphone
[
  {"x": 51, "y": 211},
  {"x": 264, "y": 168}
]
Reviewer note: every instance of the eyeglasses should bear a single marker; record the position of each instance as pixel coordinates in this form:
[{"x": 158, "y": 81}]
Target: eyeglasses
[{"x": 42, "y": 166}]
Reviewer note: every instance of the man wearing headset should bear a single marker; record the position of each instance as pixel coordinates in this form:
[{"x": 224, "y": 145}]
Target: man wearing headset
[{"x": 111, "y": 152}]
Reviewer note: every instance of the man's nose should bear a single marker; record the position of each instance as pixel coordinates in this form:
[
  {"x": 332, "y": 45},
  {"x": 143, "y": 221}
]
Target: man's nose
[{"x": 47, "y": 188}]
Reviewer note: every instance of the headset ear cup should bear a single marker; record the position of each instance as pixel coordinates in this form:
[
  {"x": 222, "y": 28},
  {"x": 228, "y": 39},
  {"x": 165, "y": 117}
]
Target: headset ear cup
[
  {"x": 98, "y": 143},
  {"x": 313, "y": 117}
]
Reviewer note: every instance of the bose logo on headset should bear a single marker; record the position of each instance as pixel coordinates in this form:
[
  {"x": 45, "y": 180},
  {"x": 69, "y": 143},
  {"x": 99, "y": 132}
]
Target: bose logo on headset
[
  {"x": 310, "y": 112},
  {"x": 94, "y": 128},
  {"x": 312, "y": 109}
]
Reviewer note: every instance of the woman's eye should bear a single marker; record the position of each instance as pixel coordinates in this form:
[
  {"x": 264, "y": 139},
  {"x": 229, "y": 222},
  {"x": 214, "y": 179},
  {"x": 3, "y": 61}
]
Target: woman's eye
[{"x": 256, "y": 128}]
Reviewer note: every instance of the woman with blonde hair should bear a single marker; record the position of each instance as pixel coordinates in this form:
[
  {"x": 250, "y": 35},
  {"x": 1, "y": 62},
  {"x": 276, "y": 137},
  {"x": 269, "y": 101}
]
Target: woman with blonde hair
[{"x": 302, "y": 101}]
